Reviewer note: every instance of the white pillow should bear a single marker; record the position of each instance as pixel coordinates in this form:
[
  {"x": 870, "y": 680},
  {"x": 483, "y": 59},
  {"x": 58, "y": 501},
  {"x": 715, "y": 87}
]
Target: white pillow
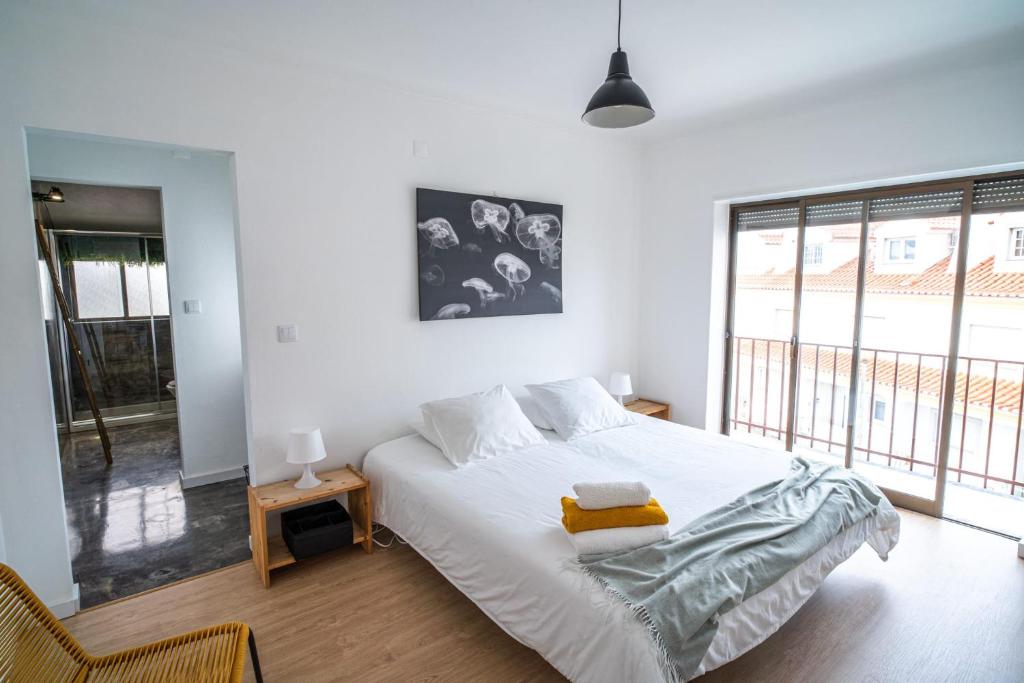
[
  {"x": 480, "y": 426},
  {"x": 532, "y": 411},
  {"x": 577, "y": 407},
  {"x": 427, "y": 432}
]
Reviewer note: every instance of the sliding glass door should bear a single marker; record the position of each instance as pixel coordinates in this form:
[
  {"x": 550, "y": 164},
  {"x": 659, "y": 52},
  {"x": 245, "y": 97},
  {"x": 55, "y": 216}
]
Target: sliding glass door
[
  {"x": 116, "y": 287},
  {"x": 884, "y": 330},
  {"x": 985, "y": 469},
  {"x": 763, "y": 289},
  {"x": 831, "y": 258},
  {"x": 908, "y": 300}
]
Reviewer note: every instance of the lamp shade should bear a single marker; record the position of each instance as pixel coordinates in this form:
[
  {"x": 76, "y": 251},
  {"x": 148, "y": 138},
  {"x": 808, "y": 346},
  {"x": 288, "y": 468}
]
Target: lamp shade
[
  {"x": 305, "y": 446},
  {"x": 620, "y": 384},
  {"x": 619, "y": 102}
]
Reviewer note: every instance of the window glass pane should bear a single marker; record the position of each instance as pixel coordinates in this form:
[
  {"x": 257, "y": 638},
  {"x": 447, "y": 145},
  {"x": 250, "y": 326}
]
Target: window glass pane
[
  {"x": 138, "y": 289},
  {"x": 765, "y": 272},
  {"x": 158, "y": 283},
  {"x": 47, "y": 289},
  {"x": 986, "y": 445},
  {"x": 98, "y": 289},
  {"x": 908, "y": 286},
  {"x": 827, "y": 313}
]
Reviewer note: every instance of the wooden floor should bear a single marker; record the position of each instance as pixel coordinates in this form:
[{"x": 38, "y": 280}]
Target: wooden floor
[{"x": 948, "y": 606}]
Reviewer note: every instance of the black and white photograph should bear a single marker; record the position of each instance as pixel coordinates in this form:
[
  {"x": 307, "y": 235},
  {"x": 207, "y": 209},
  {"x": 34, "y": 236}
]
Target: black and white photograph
[{"x": 482, "y": 256}]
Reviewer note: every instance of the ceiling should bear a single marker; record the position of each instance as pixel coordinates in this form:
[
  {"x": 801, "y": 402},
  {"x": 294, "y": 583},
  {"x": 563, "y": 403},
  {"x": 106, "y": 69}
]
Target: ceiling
[
  {"x": 544, "y": 58},
  {"x": 99, "y": 207}
]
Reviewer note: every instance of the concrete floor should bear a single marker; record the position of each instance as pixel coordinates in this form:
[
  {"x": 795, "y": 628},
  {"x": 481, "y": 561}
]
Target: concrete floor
[{"x": 132, "y": 527}]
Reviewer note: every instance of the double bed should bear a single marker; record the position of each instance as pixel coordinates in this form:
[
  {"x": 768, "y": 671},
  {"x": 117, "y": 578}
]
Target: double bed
[{"x": 494, "y": 531}]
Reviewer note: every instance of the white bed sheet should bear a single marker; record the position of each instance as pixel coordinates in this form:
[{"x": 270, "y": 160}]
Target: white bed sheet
[{"x": 493, "y": 529}]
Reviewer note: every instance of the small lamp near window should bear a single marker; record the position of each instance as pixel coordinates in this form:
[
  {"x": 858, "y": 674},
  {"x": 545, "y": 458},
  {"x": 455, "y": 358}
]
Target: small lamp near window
[
  {"x": 620, "y": 385},
  {"x": 306, "y": 446}
]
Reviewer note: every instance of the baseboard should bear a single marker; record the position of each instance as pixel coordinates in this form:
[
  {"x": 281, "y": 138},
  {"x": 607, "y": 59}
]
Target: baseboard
[
  {"x": 66, "y": 608},
  {"x": 210, "y": 477}
]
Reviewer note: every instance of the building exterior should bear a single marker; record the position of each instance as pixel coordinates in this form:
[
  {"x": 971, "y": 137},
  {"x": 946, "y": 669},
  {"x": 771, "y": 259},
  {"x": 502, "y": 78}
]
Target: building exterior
[{"x": 910, "y": 273}]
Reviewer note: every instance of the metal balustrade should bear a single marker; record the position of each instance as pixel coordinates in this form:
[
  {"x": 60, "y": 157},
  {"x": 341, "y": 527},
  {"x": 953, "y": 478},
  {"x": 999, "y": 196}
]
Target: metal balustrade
[{"x": 897, "y": 416}]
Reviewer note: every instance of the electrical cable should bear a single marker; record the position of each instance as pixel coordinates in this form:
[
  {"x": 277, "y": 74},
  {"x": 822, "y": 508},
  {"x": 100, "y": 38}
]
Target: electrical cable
[{"x": 618, "y": 34}]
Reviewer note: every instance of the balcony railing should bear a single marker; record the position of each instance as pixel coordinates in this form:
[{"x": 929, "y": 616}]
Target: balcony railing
[{"x": 898, "y": 407}]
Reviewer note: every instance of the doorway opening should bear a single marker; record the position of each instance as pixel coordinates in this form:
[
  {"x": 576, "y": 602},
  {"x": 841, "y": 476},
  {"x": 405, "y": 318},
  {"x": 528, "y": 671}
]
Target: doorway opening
[{"x": 140, "y": 509}]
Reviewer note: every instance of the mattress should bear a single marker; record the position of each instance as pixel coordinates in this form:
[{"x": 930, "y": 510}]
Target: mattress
[{"x": 493, "y": 529}]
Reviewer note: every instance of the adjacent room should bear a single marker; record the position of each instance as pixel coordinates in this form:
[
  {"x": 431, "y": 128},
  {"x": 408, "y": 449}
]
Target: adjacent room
[
  {"x": 593, "y": 341},
  {"x": 151, "y": 496}
]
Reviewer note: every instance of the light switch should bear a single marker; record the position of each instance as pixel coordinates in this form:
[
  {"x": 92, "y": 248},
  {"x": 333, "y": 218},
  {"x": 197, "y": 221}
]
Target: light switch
[
  {"x": 193, "y": 306},
  {"x": 287, "y": 333},
  {"x": 420, "y": 149}
]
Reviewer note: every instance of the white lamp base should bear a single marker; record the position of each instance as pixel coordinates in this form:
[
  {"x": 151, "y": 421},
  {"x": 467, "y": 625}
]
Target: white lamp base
[
  {"x": 307, "y": 480},
  {"x": 621, "y": 402}
]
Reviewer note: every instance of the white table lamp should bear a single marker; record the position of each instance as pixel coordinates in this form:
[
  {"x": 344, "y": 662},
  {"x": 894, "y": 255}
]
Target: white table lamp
[
  {"x": 619, "y": 385},
  {"x": 306, "y": 446}
]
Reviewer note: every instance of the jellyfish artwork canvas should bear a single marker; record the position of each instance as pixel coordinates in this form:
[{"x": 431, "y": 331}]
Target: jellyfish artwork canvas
[{"x": 482, "y": 256}]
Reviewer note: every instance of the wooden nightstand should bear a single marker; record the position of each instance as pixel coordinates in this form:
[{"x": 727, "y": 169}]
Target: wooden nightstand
[
  {"x": 652, "y": 408},
  {"x": 269, "y": 553}
]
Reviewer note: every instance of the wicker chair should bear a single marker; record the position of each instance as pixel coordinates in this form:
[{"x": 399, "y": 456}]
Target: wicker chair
[{"x": 35, "y": 646}]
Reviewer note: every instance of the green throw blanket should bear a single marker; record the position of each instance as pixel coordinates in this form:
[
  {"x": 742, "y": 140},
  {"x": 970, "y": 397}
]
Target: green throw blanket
[{"x": 681, "y": 586}]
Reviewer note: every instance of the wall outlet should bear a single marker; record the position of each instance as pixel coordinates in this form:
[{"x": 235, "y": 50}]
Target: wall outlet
[
  {"x": 287, "y": 333},
  {"x": 193, "y": 306}
]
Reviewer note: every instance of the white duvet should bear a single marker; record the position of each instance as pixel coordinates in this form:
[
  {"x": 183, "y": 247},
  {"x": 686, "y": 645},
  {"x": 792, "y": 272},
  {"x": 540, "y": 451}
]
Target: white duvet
[{"x": 493, "y": 529}]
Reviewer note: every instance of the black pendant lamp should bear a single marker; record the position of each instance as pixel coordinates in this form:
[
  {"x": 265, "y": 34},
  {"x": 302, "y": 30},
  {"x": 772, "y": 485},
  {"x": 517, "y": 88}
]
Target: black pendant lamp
[{"x": 619, "y": 102}]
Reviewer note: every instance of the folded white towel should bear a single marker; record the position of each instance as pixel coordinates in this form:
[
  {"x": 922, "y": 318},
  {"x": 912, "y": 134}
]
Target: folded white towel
[
  {"x": 610, "y": 494},
  {"x": 617, "y": 539}
]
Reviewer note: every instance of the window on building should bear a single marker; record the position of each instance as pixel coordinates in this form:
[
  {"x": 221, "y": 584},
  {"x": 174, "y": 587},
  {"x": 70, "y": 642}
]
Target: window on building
[
  {"x": 878, "y": 412},
  {"x": 812, "y": 254},
  {"x": 1016, "y": 242},
  {"x": 900, "y": 249}
]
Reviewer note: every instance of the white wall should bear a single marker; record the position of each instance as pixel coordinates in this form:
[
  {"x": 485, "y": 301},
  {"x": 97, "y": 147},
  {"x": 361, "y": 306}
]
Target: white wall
[
  {"x": 198, "y": 200},
  {"x": 926, "y": 124},
  {"x": 325, "y": 190}
]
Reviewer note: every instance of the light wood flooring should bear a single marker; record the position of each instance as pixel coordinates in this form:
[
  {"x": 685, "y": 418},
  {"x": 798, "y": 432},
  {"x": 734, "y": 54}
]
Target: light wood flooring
[{"x": 948, "y": 606}]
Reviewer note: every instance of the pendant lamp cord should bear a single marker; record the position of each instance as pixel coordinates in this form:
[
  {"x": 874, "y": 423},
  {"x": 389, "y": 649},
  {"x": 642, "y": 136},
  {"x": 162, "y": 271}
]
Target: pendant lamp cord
[{"x": 618, "y": 35}]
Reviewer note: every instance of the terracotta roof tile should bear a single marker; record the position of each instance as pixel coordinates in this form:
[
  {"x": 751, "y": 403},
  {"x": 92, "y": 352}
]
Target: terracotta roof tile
[{"x": 982, "y": 280}]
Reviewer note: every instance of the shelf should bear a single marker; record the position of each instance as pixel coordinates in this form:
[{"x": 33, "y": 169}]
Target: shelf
[
  {"x": 358, "y": 535},
  {"x": 280, "y": 556},
  {"x": 272, "y": 553}
]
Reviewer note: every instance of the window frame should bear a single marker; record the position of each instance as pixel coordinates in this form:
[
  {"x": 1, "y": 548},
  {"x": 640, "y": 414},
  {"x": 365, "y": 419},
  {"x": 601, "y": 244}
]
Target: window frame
[
  {"x": 73, "y": 288},
  {"x": 819, "y": 253},
  {"x": 902, "y": 243},
  {"x": 73, "y": 284},
  {"x": 966, "y": 185},
  {"x": 1016, "y": 250}
]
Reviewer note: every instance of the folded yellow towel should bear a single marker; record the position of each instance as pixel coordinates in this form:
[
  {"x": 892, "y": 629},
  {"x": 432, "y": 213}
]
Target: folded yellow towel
[{"x": 575, "y": 519}]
